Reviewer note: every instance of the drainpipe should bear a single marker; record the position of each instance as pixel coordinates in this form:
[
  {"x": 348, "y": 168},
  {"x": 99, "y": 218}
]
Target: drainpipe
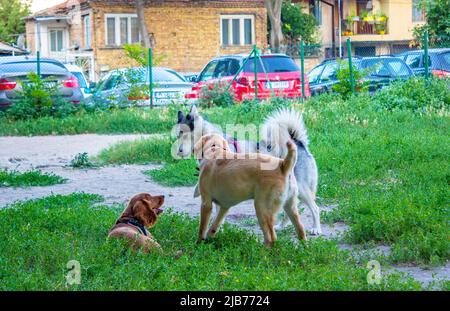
[{"x": 340, "y": 30}]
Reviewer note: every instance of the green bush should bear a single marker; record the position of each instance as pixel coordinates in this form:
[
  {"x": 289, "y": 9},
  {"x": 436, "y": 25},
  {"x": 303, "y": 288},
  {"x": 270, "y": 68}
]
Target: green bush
[
  {"x": 38, "y": 98},
  {"x": 416, "y": 94},
  {"x": 343, "y": 87},
  {"x": 216, "y": 96}
]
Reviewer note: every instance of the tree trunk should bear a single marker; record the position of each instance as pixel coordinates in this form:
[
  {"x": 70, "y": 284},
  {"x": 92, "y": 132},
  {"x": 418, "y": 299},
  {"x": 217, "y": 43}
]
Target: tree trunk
[
  {"x": 276, "y": 35},
  {"x": 145, "y": 38}
]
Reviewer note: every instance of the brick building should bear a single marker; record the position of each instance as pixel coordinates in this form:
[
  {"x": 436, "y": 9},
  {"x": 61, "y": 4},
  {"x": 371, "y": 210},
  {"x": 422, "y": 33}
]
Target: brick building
[{"x": 187, "y": 32}]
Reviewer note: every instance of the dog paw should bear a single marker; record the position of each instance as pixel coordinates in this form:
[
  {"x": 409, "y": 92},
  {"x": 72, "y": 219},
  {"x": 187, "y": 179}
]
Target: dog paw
[{"x": 315, "y": 231}]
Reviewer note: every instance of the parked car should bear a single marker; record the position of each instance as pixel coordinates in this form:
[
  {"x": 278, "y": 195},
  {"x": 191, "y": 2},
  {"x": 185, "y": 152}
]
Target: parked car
[
  {"x": 79, "y": 74},
  {"x": 283, "y": 75},
  {"x": 438, "y": 61},
  {"x": 381, "y": 71},
  {"x": 129, "y": 86},
  {"x": 15, "y": 70}
]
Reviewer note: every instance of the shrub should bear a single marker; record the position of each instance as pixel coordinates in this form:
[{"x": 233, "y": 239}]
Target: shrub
[
  {"x": 217, "y": 95},
  {"x": 81, "y": 160},
  {"x": 38, "y": 98},
  {"x": 415, "y": 94},
  {"x": 343, "y": 87}
]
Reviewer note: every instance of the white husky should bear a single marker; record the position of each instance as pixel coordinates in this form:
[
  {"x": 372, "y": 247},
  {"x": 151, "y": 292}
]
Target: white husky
[{"x": 281, "y": 126}]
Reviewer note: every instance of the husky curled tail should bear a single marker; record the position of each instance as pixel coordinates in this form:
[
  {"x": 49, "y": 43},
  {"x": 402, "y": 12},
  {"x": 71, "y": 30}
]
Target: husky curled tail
[{"x": 287, "y": 125}]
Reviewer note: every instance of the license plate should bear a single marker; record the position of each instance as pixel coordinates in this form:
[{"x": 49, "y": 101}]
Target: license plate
[
  {"x": 49, "y": 85},
  {"x": 278, "y": 85},
  {"x": 166, "y": 95}
]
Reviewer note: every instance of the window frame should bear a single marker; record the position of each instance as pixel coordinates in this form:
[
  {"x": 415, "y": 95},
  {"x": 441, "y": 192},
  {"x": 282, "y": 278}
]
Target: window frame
[
  {"x": 87, "y": 31},
  {"x": 242, "y": 18},
  {"x": 415, "y": 9},
  {"x": 63, "y": 43},
  {"x": 117, "y": 35}
]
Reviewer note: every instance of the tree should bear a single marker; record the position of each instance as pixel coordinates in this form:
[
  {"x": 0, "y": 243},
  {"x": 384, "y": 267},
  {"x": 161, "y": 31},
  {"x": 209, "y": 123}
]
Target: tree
[
  {"x": 274, "y": 12},
  {"x": 11, "y": 23},
  {"x": 437, "y": 24},
  {"x": 297, "y": 24},
  {"x": 142, "y": 26}
]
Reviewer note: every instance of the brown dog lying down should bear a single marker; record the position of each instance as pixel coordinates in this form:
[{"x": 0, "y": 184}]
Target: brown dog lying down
[
  {"x": 142, "y": 212},
  {"x": 228, "y": 178}
]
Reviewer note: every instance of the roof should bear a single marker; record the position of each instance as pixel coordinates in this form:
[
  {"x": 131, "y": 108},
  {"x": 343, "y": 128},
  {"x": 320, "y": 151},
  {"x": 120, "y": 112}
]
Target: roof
[
  {"x": 63, "y": 8},
  {"x": 6, "y": 48}
]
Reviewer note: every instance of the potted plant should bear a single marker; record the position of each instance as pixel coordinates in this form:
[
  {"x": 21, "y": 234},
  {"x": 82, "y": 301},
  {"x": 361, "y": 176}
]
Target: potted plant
[
  {"x": 367, "y": 17},
  {"x": 354, "y": 17},
  {"x": 347, "y": 31},
  {"x": 380, "y": 17}
]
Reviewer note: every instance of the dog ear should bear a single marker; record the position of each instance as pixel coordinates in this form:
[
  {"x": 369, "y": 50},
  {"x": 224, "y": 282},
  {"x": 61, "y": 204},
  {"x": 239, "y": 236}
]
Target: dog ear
[
  {"x": 193, "y": 112},
  {"x": 143, "y": 212},
  {"x": 180, "y": 116}
]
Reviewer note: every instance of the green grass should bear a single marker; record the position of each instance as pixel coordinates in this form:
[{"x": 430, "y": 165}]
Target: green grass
[
  {"x": 119, "y": 121},
  {"x": 43, "y": 235},
  {"x": 387, "y": 168},
  {"x": 10, "y": 178},
  {"x": 180, "y": 173}
]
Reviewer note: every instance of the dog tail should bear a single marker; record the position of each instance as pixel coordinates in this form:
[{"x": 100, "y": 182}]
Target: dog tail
[
  {"x": 291, "y": 121},
  {"x": 291, "y": 158}
]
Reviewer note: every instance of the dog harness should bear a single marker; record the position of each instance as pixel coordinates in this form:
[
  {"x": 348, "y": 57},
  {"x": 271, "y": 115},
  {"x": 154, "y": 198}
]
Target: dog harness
[{"x": 135, "y": 223}]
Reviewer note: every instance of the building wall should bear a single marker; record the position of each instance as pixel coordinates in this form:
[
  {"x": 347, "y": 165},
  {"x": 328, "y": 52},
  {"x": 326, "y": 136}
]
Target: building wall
[{"x": 188, "y": 36}]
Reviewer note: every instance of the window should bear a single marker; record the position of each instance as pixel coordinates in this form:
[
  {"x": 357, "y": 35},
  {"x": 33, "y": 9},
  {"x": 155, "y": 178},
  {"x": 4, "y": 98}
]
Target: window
[
  {"x": 329, "y": 73},
  {"x": 418, "y": 15},
  {"x": 272, "y": 64},
  {"x": 237, "y": 29},
  {"x": 56, "y": 40},
  {"x": 413, "y": 60},
  {"x": 208, "y": 72},
  {"x": 316, "y": 7},
  {"x": 87, "y": 31},
  {"x": 121, "y": 29},
  {"x": 314, "y": 74}
]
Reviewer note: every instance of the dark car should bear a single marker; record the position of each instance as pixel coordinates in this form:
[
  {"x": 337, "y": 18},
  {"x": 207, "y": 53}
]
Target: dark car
[
  {"x": 14, "y": 71},
  {"x": 379, "y": 72},
  {"x": 438, "y": 61}
]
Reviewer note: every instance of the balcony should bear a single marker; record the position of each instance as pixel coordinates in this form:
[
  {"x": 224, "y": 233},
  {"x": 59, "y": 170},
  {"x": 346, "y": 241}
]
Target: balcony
[{"x": 369, "y": 24}]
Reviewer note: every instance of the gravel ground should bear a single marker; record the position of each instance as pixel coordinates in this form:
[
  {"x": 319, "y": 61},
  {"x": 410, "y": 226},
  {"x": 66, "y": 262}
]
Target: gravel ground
[{"x": 118, "y": 183}]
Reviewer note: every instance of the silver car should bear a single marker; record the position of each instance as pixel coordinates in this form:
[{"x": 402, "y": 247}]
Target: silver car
[
  {"x": 14, "y": 71},
  {"x": 130, "y": 87}
]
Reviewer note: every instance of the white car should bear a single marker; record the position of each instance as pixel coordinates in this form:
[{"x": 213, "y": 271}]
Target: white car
[{"x": 78, "y": 73}]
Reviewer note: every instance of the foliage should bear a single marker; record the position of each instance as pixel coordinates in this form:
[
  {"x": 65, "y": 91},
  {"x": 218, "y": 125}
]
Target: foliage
[
  {"x": 81, "y": 160},
  {"x": 417, "y": 95},
  {"x": 343, "y": 87},
  {"x": 12, "y": 24},
  {"x": 298, "y": 25},
  {"x": 180, "y": 173},
  {"x": 38, "y": 98},
  {"x": 97, "y": 120},
  {"x": 140, "y": 55},
  {"x": 215, "y": 96},
  {"x": 28, "y": 179},
  {"x": 437, "y": 24},
  {"x": 64, "y": 228}
]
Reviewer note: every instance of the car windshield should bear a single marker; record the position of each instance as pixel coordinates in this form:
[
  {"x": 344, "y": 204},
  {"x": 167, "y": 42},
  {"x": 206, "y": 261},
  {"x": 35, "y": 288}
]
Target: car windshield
[
  {"x": 313, "y": 75},
  {"x": 80, "y": 78},
  {"x": 272, "y": 64},
  {"x": 444, "y": 61},
  {"x": 386, "y": 67}
]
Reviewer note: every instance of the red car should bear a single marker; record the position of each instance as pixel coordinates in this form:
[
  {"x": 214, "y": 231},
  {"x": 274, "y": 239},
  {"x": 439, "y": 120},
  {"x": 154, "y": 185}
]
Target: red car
[{"x": 283, "y": 75}]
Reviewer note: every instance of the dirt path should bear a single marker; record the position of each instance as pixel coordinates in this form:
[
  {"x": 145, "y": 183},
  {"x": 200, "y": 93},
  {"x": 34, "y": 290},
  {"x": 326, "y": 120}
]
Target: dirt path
[{"x": 118, "y": 183}]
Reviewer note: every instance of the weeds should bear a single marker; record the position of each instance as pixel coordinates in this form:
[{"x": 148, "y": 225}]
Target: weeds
[
  {"x": 28, "y": 179},
  {"x": 81, "y": 160}
]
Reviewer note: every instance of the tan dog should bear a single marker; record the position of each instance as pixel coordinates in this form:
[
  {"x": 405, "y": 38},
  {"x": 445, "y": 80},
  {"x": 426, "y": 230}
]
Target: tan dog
[
  {"x": 227, "y": 178},
  {"x": 142, "y": 212}
]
